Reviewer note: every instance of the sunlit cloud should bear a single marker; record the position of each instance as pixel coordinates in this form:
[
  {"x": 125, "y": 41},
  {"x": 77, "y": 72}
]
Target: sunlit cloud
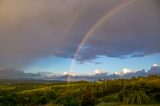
[
  {"x": 155, "y": 65},
  {"x": 97, "y": 71}
]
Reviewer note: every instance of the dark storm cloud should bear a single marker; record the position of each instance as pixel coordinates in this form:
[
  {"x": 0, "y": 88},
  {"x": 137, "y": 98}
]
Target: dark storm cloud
[
  {"x": 15, "y": 74},
  {"x": 30, "y": 29},
  {"x": 133, "y": 31}
]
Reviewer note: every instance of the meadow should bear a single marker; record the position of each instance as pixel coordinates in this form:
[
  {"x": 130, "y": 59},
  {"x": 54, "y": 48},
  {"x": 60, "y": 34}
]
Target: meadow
[{"x": 141, "y": 91}]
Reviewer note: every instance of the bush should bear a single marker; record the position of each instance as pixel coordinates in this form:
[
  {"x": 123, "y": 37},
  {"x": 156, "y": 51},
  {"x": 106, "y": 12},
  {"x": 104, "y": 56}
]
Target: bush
[
  {"x": 42, "y": 100},
  {"x": 68, "y": 101},
  {"x": 2, "y": 99},
  {"x": 71, "y": 102},
  {"x": 88, "y": 99},
  {"x": 135, "y": 97},
  {"x": 110, "y": 99},
  {"x": 10, "y": 100},
  {"x": 157, "y": 97}
]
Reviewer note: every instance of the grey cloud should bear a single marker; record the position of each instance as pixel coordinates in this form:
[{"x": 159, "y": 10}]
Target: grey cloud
[
  {"x": 15, "y": 74},
  {"x": 133, "y": 31},
  {"x": 32, "y": 29}
]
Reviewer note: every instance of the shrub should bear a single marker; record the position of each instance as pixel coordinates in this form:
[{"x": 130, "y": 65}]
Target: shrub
[
  {"x": 42, "y": 100},
  {"x": 157, "y": 97},
  {"x": 68, "y": 101},
  {"x": 10, "y": 100},
  {"x": 135, "y": 97},
  {"x": 88, "y": 99}
]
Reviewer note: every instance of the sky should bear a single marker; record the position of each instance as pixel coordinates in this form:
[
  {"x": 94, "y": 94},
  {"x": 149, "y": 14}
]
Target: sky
[{"x": 79, "y": 36}]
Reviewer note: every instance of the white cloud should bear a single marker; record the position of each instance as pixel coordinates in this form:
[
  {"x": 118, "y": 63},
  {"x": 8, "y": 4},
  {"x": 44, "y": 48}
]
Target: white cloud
[
  {"x": 97, "y": 71},
  {"x": 69, "y": 73},
  {"x": 124, "y": 71},
  {"x": 155, "y": 65},
  {"x": 116, "y": 73},
  {"x": 127, "y": 70}
]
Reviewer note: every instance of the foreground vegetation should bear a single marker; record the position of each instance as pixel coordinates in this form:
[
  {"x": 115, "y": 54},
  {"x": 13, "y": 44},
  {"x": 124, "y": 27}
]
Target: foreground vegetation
[{"x": 142, "y": 90}]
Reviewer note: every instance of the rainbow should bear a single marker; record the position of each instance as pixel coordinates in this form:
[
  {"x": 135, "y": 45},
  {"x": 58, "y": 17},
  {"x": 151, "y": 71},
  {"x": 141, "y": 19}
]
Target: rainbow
[{"x": 93, "y": 29}]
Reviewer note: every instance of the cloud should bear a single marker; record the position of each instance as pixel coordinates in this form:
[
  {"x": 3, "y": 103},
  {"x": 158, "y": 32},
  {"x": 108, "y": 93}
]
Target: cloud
[
  {"x": 33, "y": 29},
  {"x": 15, "y": 74},
  {"x": 127, "y": 33},
  {"x": 97, "y": 71},
  {"x": 1, "y": 68},
  {"x": 99, "y": 74},
  {"x": 125, "y": 71},
  {"x": 155, "y": 65},
  {"x": 69, "y": 73},
  {"x": 155, "y": 69}
]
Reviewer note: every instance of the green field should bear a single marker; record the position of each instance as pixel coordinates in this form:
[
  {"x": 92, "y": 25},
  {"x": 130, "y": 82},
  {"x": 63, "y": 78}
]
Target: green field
[{"x": 142, "y": 91}]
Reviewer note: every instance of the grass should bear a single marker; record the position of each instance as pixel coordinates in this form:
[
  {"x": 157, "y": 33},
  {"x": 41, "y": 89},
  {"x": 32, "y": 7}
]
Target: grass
[
  {"x": 142, "y": 105},
  {"x": 115, "y": 104}
]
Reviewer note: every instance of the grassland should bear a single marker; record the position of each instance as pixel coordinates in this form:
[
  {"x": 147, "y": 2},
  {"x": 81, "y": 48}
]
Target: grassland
[{"x": 142, "y": 91}]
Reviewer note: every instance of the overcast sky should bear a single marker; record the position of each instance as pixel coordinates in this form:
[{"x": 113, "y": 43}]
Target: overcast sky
[{"x": 45, "y": 35}]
